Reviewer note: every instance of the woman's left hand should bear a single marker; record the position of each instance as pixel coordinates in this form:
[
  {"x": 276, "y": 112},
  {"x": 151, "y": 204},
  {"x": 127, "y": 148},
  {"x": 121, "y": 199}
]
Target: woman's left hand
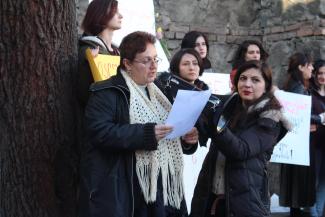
[
  {"x": 192, "y": 136},
  {"x": 95, "y": 51}
]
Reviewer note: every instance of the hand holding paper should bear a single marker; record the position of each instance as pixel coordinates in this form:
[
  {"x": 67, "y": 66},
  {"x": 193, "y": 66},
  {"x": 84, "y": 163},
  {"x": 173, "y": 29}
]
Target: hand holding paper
[
  {"x": 162, "y": 130},
  {"x": 186, "y": 109},
  {"x": 192, "y": 136}
]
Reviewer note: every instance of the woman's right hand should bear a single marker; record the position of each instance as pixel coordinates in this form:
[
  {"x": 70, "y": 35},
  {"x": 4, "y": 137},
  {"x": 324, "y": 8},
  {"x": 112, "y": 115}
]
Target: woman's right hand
[
  {"x": 322, "y": 117},
  {"x": 162, "y": 130}
]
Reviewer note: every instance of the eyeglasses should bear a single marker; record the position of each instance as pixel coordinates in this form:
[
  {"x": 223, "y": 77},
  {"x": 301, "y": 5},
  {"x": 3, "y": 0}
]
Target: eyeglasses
[{"x": 148, "y": 61}]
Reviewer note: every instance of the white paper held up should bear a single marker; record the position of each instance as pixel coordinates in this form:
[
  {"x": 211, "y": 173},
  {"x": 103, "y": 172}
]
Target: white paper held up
[{"x": 186, "y": 109}]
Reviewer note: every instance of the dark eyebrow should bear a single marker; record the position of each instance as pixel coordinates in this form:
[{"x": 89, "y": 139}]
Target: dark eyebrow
[{"x": 150, "y": 56}]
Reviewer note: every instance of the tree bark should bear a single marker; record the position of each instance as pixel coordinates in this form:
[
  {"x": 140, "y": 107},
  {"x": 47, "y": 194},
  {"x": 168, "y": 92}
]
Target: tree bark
[{"x": 38, "y": 53}]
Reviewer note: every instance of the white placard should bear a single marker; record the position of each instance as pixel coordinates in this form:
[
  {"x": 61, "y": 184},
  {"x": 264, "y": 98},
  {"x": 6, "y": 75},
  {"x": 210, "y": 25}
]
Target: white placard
[
  {"x": 139, "y": 15},
  {"x": 218, "y": 83},
  {"x": 192, "y": 168},
  {"x": 294, "y": 147}
]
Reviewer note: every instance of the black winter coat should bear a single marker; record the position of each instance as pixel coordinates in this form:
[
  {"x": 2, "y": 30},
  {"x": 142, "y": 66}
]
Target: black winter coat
[
  {"x": 107, "y": 161},
  {"x": 247, "y": 148},
  {"x": 297, "y": 183},
  {"x": 318, "y": 107}
]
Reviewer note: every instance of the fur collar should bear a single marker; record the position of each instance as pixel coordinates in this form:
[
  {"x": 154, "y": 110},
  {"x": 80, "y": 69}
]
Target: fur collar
[{"x": 271, "y": 113}]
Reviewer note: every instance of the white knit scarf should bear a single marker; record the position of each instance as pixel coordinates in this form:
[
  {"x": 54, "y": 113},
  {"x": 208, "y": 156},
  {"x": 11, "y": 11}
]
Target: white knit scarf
[{"x": 168, "y": 158}]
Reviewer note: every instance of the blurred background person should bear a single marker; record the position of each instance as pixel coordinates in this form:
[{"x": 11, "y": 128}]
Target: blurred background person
[
  {"x": 318, "y": 135},
  {"x": 186, "y": 64},
  {"x": 102, "y": 18},
  {"x": 297, "y": 183},
  {"x": 247, "y": 50},
  {"x": 128, "y": 167},
  {"x": 199, "y": 42}
]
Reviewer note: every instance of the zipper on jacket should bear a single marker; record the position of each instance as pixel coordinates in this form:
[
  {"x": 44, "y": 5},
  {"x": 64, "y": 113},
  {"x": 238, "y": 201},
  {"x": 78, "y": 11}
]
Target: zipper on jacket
[
  {"x": 132, "y": 155},
  {"x": 126, "y": 98},
  {"x": 227, "y": 190},
  {"x": 127, "y": 102},
  {"x": 120, "y": 89},
  {"x": 132, "y": 187}
]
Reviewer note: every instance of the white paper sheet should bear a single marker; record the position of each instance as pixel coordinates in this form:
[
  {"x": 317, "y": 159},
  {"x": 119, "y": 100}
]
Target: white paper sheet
[{"x": 186, "y": 109}]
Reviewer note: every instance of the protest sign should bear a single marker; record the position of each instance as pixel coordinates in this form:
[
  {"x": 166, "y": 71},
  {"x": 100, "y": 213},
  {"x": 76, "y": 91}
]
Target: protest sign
[
  {"x": 139, "y": 16},
  {"x": 192, "y": 168},
  {"x": 294, "y": 147},
  {"x": 218, "y": 83},
  {"x": 102, "y": 66}
]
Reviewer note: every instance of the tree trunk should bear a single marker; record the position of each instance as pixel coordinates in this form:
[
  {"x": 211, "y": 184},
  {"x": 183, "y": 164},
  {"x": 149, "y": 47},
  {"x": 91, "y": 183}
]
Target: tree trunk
[{"x": 38, "y": 52}]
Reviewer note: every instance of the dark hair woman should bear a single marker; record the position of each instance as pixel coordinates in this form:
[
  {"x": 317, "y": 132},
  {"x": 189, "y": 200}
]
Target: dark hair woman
[
  {"x": 101, "y": 20},
  {"x": 199, "y": 42},
  {"x": 318, "y": 135},
  {"x": 297, "y": 184},
  {"x": 186, "y": 64},
  {"x": 247, "y": 50},
  {"x": 129, "y": 168},
  {"x": 233, "y": 179},
  {"x": 178, "y": 61}
]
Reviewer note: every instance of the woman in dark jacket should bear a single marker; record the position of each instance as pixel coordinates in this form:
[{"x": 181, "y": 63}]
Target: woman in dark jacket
[
  {"x": 318, "y": 135},
  {"x": 129, "y": 168},
  {"x": 187, "y": 65},
  {"x": 233, "y": 180},
  {"x": 297, "y": 183},
  {"x": 101, "y": 20}
]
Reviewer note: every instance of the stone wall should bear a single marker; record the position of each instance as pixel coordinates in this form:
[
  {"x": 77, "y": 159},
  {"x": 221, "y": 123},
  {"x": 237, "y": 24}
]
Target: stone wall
[
  {"x": 283, "y": 26},
  {"x": 225, "y": 22},
  {"x": 81, "y": 10},
  {"x": 291, "y": 26}
]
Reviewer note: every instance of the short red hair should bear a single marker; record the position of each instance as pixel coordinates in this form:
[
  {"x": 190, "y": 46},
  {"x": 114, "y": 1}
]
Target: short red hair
[{"x": 98, "y": 14}]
